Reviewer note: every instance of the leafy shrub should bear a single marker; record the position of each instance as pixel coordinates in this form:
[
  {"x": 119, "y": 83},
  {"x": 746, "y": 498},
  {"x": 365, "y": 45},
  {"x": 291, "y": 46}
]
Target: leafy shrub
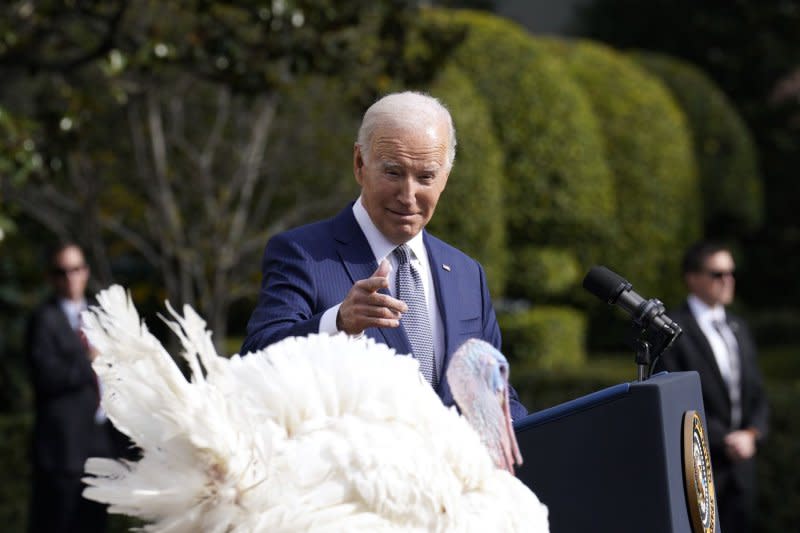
[
  {"x": 545, "y": 337},
  {"x": 723, "y": 146},
  {"x": 549, "y": 273},
  {"x": 559, "y": 192},
  {"x": 648, "y": 148},
  {"x": 778, "y": 506},
  {"x": 471, "y": 212}
]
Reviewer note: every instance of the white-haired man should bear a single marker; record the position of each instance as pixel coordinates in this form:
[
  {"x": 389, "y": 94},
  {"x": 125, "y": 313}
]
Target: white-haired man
[{"x": 373, "y": 269}]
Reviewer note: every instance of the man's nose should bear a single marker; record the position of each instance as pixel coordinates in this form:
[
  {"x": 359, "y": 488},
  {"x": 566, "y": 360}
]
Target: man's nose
[{"x": 408, "y": 190}]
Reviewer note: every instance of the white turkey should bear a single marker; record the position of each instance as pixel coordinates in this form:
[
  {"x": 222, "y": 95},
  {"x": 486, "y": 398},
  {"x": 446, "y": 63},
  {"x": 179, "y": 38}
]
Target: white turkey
[{"x": 324, "y": 433}]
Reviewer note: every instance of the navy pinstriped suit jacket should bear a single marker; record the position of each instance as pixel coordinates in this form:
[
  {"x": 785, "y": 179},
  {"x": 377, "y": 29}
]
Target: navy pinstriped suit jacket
[{"x": 309, "y": 269}]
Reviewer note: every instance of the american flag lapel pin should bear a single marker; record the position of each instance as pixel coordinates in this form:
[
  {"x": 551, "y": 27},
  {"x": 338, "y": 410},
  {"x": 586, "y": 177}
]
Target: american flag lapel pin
[{"x": 446, "y": 267}]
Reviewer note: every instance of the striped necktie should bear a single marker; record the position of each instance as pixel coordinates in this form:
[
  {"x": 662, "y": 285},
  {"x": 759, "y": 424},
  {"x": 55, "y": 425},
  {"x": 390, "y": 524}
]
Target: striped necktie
[{"x": 734, "y": 370}]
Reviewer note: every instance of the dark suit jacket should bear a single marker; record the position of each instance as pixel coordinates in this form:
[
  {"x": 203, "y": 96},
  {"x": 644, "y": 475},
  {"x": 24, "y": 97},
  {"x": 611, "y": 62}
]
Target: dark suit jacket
[
  {"x": 65, "y": 433},
  {"x": 691, "y": 351},
  {"x": 310, "y": 269}
]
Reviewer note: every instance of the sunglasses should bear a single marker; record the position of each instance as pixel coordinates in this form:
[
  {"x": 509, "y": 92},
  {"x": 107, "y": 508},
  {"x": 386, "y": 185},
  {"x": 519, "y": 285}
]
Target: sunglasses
[
  {"x": 65, "y": 272},
  {"x": 719, "y": 274}
]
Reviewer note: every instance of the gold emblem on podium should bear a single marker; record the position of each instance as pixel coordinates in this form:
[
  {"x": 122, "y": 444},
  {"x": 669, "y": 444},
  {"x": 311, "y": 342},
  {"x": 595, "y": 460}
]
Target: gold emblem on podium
[{"x": 697, "y": 476}]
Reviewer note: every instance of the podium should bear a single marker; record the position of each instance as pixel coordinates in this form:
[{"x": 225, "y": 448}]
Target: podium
[{"x": 629, "y": 458}]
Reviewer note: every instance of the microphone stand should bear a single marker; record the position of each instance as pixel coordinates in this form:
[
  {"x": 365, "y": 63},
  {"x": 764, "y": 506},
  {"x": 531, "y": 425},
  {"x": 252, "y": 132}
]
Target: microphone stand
[
  {"x": 643, "y": 359},
  {"x": 649, "y": 350}
]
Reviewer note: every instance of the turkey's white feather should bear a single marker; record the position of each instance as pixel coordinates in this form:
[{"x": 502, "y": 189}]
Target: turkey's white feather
[{"x": 312, "y": 434}]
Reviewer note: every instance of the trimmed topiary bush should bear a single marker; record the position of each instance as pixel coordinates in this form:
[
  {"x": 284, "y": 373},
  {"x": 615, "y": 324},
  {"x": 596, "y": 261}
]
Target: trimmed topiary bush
[
  {"x": 549, "y": 272},
  {"x": 559, "y": 192},
  {"x": 778, "y": 478},
  {"x": 471, "y": 212},
  {"x": 648, "y": 147},
  {"x": 545, "y": 337},
  {"x": 723, "y": 147}
]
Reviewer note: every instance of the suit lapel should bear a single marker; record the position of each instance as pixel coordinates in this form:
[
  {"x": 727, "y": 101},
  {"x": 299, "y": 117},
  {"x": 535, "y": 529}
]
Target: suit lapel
[
  {"x": 744, "y": 359},
  {"x": 356, "y": 256},
  {"x": 446, "y": 295},
  {"x": 692, "y": 329}
]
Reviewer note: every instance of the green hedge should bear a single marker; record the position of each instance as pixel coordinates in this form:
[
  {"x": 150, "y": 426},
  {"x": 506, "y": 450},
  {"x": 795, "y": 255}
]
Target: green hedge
[
  {"x": 550, "y": 272},
  {"x": 558, "y": 191},
  {"x": 545, "y": 337},
  {"x": 471, "y": 211},
  {"x": 778, "y": 504},
  {"x": 723, "y": 147},
  {"x": 648, "y": 148}
]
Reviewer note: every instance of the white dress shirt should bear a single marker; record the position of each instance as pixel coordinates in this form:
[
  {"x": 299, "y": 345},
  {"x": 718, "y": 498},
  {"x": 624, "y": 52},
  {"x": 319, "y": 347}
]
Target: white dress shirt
[
  {"x": 73, "y": 311},
  {"x": 706, "y": 316},
  {"x": 382, "y": 249}
]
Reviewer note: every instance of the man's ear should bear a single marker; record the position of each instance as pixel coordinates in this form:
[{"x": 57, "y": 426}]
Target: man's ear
[{"x": 358, "y": 163}]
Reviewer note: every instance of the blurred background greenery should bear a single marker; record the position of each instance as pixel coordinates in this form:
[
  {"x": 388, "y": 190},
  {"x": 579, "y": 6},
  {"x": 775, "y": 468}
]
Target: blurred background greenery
[{"x": 172, "y": 138}]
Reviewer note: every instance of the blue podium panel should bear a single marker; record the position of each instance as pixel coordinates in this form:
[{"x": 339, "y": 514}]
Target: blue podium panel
[{"x": 612, "y": 461}]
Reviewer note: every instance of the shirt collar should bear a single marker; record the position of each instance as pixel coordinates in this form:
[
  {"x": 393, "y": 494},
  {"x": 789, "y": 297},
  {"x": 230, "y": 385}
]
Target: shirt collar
[
  {"x": 73, "y": 310},
  {"x": 380, "y": 245},
  {"x": 702, "y": 311}
]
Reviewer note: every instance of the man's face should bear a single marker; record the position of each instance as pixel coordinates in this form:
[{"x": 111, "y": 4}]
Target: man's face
[
  {"x": 402, "y": 178},
  {"x": 70, "y": 273},
  {"x": 715, "y": 283}
]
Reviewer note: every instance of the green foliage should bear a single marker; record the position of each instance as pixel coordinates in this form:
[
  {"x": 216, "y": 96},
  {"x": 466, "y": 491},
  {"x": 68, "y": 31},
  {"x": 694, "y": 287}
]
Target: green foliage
[
  {"x": 541, "y": 388},
  {"x": 723, "y": 147},
  {"x": 18, "y": 151},
  {"x": 545, "y": 273},
  {"x": 778, "y": 478},
  {"x": 311, "y": 148},
  {"x": 751, "y": 49},
  {"x": 545, "y": 337},
  {"x": 166, "y": 141},
  {"x": 252, "y": 47},
  {"x": 471, "y": 212},
  {"x": 14, "y": 471},
  {"x": 558, "y": 190},
  {"x": 648, "y": 148}
]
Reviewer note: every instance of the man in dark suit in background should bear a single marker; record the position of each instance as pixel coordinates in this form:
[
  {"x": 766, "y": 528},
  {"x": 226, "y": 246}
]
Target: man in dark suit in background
[
  {"x": 373, "y": 269},
  {"x": 69, "y": 424},
  {"x": 720, "y": 347}
]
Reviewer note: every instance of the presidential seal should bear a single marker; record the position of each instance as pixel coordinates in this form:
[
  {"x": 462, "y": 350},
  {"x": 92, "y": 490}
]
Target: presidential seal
[{"x": 697, "y": 476}]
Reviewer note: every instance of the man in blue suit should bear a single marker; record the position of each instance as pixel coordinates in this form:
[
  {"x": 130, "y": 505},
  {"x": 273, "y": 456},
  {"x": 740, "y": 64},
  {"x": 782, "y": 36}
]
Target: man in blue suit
[{"x": 344, "y": 274}]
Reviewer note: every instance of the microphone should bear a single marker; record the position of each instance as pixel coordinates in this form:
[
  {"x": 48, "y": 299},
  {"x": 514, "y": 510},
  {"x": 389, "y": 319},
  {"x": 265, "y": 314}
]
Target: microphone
[{"x": 616, "y": 290}]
